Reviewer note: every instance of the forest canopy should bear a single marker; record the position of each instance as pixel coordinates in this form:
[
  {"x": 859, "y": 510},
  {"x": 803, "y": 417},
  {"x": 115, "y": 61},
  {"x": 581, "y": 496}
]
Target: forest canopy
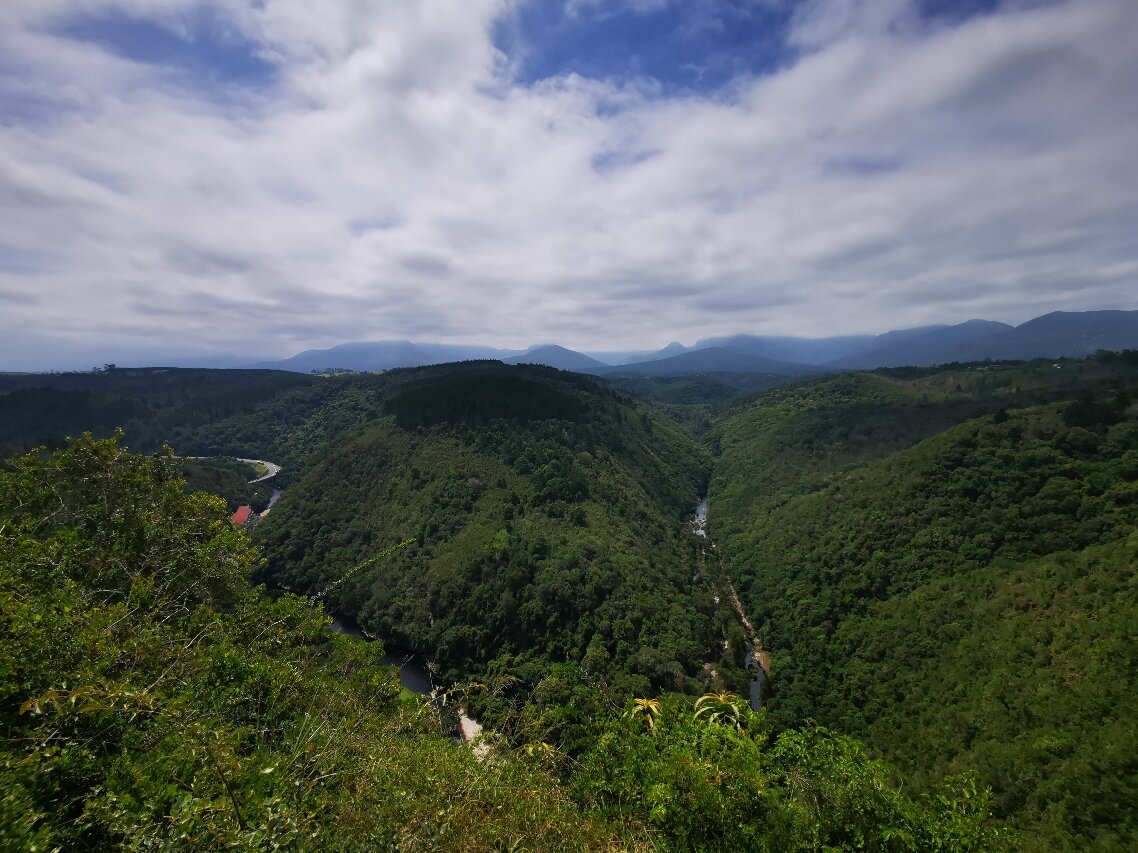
[
  {"x": 940, "y": 563},
  {"x": 153, "y": 699}
]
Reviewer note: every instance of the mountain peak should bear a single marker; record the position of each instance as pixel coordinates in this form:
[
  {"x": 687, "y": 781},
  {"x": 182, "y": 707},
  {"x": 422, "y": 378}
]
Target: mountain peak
[{"x": 552, "y": 355}]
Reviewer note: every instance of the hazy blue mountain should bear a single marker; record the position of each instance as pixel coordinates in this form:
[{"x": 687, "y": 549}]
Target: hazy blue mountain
[
  {"x": 385, "y": 355},
  {"x": 780, "y": 348},
  {"x": 559, "y": 357},
  {"x": 446, "y": 353},
  {"x": 1052, "y": 335},
  {"x": 617, "y": 356},
  {"x": 927, "y": 345},
  {"x": 673, "y": 349},
  {"x": 1062, "y": 333},
  {"x": 797, "y": 350},
  {"x": 710, "y": 360},
  {"x": 369, "y": 355}
]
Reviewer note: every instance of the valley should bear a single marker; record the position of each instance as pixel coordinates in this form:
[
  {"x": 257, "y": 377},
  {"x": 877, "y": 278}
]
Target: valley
[
  {"x": 939, "y": 562},
  {"x": 592, "y": 425}
]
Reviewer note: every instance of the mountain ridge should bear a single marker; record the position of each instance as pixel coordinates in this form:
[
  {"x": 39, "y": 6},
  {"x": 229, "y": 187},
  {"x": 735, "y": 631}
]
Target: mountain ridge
[{"x": 1054, "y": 335}]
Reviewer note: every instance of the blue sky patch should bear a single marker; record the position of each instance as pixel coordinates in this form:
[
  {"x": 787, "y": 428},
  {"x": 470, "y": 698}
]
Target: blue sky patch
[
  {"x": 14, "y": 260},
  {"x": 207, "y": 52},
  {"x": 683, "y": 46},
  {"x": 611, "y": 161}
]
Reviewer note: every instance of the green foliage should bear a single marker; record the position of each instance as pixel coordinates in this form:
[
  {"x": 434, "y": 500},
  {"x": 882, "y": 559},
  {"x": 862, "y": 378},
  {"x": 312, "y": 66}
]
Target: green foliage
[
  {"x": 483, "y": 392},
  {"x": 706, "y": 786},
  {"x": 956, "y": 588},
  {"x": 725, "y": 708},
  {"x": 152, "y": 699},
  {"x": 942, "y": 562},
  {"x": 151, "y": 405},
  {"x": 227, "y": 478},
  {"x": 547, "y": 513}
]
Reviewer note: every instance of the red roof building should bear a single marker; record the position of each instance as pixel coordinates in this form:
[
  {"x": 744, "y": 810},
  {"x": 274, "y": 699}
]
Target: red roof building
[{"x": 243, "y": 515}]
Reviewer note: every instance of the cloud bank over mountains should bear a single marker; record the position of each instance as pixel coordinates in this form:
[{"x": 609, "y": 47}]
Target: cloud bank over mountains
[{"x": 215, "y": 175}]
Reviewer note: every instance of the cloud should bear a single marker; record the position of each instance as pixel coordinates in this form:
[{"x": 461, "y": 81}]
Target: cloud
[{"x": 393, "y": 178}]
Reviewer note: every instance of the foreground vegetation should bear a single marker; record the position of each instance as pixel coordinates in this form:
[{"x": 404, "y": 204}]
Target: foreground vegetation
[{"x": 152, "y": 699}]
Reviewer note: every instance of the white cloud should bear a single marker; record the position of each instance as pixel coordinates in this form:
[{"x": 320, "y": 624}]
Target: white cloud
[{"x": 896, "y": 174}]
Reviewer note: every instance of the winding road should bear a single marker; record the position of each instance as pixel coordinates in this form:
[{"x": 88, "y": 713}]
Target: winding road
[{"x": 273, "y": 467}]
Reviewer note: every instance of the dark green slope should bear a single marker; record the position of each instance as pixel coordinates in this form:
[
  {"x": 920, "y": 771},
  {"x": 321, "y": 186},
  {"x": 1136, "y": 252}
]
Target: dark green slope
[
  {"x": 958, "y": 588},
  {"x": 151, "y": 405},
  {"x": 547, "y": 513}
]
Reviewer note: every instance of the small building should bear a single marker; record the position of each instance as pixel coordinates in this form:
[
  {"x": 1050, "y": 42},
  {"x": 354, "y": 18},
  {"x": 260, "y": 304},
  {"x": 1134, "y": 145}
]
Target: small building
[{"x": 244, "y": 517}]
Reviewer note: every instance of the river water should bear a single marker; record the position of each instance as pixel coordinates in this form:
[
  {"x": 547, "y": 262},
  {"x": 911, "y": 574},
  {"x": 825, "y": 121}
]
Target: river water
[
  {"x": 416, "y": 677},
  {"x": 699, "y": 527},
  {"x": 413, "y": 674}
]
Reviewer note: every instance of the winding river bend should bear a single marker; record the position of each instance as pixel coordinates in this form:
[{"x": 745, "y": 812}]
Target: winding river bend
[{"x": 413, "y": 673}]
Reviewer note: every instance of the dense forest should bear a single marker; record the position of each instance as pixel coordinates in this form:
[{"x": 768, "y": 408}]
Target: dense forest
[
  {"x": 152, "y": 405},
  {"x": 547, "y": 518},
  {"x": 944, "y": 563},
  {"x": 941, "y": 563},
  {"x": 151, "y": 698}
]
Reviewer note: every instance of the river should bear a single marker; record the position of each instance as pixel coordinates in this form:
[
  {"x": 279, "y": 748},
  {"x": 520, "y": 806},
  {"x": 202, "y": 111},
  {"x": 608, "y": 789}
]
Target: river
[
  {"x": 415, "y": 676},
  {"x": 757, "y": 661}
]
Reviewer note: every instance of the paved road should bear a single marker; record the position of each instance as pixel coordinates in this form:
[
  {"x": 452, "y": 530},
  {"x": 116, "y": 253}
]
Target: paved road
[{"x": 272, "y": 466}]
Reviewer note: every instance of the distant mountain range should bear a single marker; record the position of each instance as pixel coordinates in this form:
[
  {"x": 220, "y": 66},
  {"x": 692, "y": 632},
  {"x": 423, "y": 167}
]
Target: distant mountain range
[
  {"x": 382, "y": 355},
  {"x": 1070, "y": 334}
]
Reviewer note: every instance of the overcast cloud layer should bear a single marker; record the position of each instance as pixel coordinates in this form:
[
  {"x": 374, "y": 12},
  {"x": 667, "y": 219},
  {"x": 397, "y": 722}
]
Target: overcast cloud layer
[{"x": 224, "y": 176}]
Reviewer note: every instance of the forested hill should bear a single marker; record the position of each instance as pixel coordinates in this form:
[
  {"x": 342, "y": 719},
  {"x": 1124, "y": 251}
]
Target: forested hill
[
  {"x": 152, "y": 699},
  {"x": 942, "y": 562},
  {"x": 945, "y": 563},
  {"x": 548, "y": 517},
  {"x": 152, "y": 405}
]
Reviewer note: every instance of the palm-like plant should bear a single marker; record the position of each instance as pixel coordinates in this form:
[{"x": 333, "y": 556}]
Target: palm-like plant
[
  {"x": 649, "y": 709},
  {"x": 721, "y": 708}
]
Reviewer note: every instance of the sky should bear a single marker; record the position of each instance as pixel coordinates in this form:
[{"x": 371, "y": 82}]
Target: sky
[{"x": 261, "y": 177}]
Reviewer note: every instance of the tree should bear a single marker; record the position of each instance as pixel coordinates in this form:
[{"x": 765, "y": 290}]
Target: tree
[{"x": 721, "y": 708}]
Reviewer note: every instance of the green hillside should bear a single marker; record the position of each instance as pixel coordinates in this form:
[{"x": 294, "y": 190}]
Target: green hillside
[
  {"x": 941, "y": 561},
  {"x": 152, "y": 699},
  {"x": 958, "y": 588},
  {"x": 548, "y": 517},
  {"x": 151, "y": 405}
]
